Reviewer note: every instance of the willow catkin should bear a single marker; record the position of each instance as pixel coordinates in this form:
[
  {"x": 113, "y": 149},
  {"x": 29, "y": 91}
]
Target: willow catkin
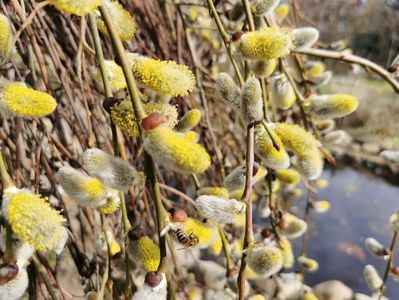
[
  {"x": 375, "y": 247},
  {"x": 308, "y": 264},
  {"x": 282, "y": 93},
  {"x": 262, "y": 7},
  {"x": 146, "y": 251},
  {"x": 265, "y": 261},
  {"x": 154, "y": 288},
  {"x": 6, "y": 40},
  {"x": 219, "y": 210},
  {"x": 267, "y": 152},
  {"x": 112, "y": 171},
  {"x": 114, "y": 75},
  {"x": 220, "y": 192},
  {"x": 229, "y": 90},
  {"x": 263, "y": 68},
  {"x": 189, "y": 120},
  {"x": 265, "y": 44},
  {"x": 252, "y": 101},
  {"x": 332, "y": 106},
  {"x": 294, "y": 228},
  {"x": 372, "y": 278},
  {"x": 76, "y": 7},
  {"x": 305, "y": 37}
]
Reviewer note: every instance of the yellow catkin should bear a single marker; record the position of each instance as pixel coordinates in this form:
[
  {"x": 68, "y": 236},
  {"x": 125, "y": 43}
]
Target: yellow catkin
[
  {"x": 111, "y": 206},
  {"x": 308, "y": 264},
  {"x": 206, "y": 234},
  {"x": 315, "y": 69},
  {"x": 265, "y": 261},
  {"x": 282, "y": 11},
  {"x": 263, "y": 68},
  {"x": 289, "y": 176},
  {"x": 189, "y": 120},
  {"x": 176, "y": 152},
  {"x": 114, "y": 74},
  {"x": 304, "y": 145},
  {"x": 271, "y": 157},
  {"x": 220, "y": 192},
  {"x": 216, "y": 247},
  {"x": 165, "y": 77},
  {"x": 22, "y": 101},
  {"x": 265, "y": 44},
  {"x": 147, "y": 252},
  {"x": 123, "y": 22},
  {"x": 309, "y": 296},
  {"x": 288, "y": 254},
  {"x": 325, "y": 125},
  {"x": 191, "y": 136},
  {"x": 332, "y": 106},
  {"x": 321, "y": 206},
  {"x": 295, "y": 227},
  {"x": 76, "y": 7},
  {"x": 34, "y": 222},
  {"x": 6, "y": 40}
]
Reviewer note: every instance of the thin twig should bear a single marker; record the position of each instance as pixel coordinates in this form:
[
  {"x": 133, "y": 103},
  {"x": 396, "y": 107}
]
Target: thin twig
[{"x": 392, "y": 251}]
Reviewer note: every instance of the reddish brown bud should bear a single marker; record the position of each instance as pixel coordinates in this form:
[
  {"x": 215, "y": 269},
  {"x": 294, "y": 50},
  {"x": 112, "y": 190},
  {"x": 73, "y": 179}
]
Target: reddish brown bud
[
  {"x": 266, "y": 233},
  {"x": 152, "y": 121},
  {"x": 237, "y": 35},
  {"x": 178, "y": 215},
  {"x": 153, "y": 279},
  {"x": 8, "y": 272},
  {"x": 395, "y": 270}
]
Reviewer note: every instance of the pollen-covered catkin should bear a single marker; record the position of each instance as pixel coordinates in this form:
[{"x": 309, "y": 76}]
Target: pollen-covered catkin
[
  {"x": 252, "y": 101},
  {"x": 263, "y": 68},
  {"x": 282, "y": 93},
  {"x": 220, "y": 192},
  {"x": 112, "y": 171},
  {"x": 288, "y": 254},
  {"x": 304, "y": 145},
  {"x": 375, "y": 247},
  {"x": 267, "y": 152},
  {"x": 332, "y": 106},
  {"x": 265, "y": 261},
  {"x": 265, "y": 44},
  {"x": 308, "y": 264},
  {"x": 165, "y": 77},
  {"x": 114, "y": 73},
  {"x": 290, "y": 177},
  {"x": 123, "y": 22},
  {"x": 6, "y": 40},
  {"x": 19, "y": 100},
  {"x": 294, "y": 228},
  {"x": 76, "y": 7},
  {"x": 175, "y": 152},
  {"x": 282, "y": 11},
  {"x": 34, "y": 222},
  {"x": 219, "y": 210},
  {"x": 189, "y": 120},
  {"x": 305, "y": 37},
  {"x": 147, "y": 252},
  {"x": 229, "y": 90},
  {"x": 262, "y": 7},
  {"x": 86, "y": 190},
  {"x": 372, "y": 278}
]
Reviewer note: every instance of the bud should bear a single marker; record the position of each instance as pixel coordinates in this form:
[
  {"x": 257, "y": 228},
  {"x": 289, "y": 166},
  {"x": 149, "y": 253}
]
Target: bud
[
  {"x": 165, "y": 77},
  {"x": 229, "y": 90},
  {"x": 112, "y": 171},
  {"x": 146, "y": 252},
  {"x": 290, "y": 177},
  {"x": 114, "y": 74},
  {"x": 214, "y": 191},
  {"x": 6, "y": 40},
  {"x": 34, "y": 221},
  {"x": 288, "y": 254},
  {"x": 154, "y": 288},
  {"x": 252, "y": 101},
  {"x": 282, "y": 93},
  {"x": 262, "y": 7},
  {"x": 321, "y": 206},
  {"x": 19, "y": 100},
  {"x": 218, "y": 210},
  {"x": 123, "y": 22},
  {"x": 373, "y": 280},
  {"x": 263, "y": 68},
  {"x": 266, "y": 150},
  {"x": 394, "y": 221},
  {"x": 308, "y": 264},
  {"x": 265, "y": 261},
  {"x": 305, "y": 146},
  {"x": 332, "y": 106},
  {"x": 325, "y": 125},
  {"x": 305, "y": 37},
  {"x": 175, "y": 152},
  {"x": 166, "y": 110},
  {"x": 265, "y": 44},
  {"x": 87, "y": 191},
  {"x": 76, "y": 7},
  {"x": 294, "y": 228},
  {"x": 392, "y": 156},
  {"x": 189, "y": 120},
  {"x": 282, "y": 11},
  {"x": 394, "y": 66},
  {"x": 13, "y": 281},
  {"x": 375, "y": 247}
]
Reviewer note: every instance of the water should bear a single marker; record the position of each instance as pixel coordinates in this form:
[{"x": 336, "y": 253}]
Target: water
[{"x": 360, "y": 207}]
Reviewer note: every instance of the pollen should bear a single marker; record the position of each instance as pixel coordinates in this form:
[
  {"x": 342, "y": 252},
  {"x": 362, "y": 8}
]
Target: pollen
[
  {"x": 175, "y": 152},
  {"x": 265, "y": 44},
  {"x": 6, "y": 40},
  {"x": 147, "y": 252},
  {"x": 110, "y": 206},
  {"x": 34, "y": 222},
  {"x": 165, "y": 77},
  {"x": 76, "y": 7},
  {"x": 332, "y": 106},
  {"x": 124, "y": 22},
  {"x": 22, "y": 101},
  {"x": 122, "y": 116},
  {"x": 289, "y": 176},
  {"x": 189, "y": 120},
  {"x": 216, "y": 247}
]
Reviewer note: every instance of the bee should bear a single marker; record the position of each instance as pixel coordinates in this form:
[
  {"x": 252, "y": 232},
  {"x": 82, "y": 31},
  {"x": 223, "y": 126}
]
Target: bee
[{"x": 188, "y": 240}]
